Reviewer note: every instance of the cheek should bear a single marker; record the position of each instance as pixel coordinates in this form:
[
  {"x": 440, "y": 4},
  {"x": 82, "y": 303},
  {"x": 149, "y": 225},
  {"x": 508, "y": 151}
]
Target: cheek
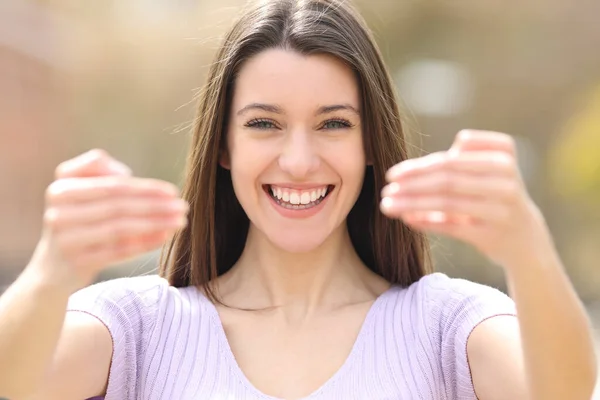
[
  {"x": 247, "y": 163},
  {"x": 354, "y": 176},
  {"x": 351, "y": 163}
]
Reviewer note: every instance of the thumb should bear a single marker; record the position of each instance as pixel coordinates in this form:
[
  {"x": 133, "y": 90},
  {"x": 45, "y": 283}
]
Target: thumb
[{"x": 92, "y": 163}]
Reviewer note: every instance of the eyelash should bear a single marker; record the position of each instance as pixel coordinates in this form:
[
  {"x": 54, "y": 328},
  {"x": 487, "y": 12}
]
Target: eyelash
[{"x": 255, "y": 123}]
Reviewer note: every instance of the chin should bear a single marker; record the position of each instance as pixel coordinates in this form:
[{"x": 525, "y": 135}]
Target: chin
[{"x": 297, "y": 243}]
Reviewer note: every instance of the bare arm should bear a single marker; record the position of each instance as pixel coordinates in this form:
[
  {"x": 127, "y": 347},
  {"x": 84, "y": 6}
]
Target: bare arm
[
  {"x": 495, "y": 355},
  {"x": 477, "y": 188},
  {"x": 63, "y": 358},
  {"x": 96, "y": 214},
  {"x": 550, "y": 345},
  {"x": 80, "y": 366}
]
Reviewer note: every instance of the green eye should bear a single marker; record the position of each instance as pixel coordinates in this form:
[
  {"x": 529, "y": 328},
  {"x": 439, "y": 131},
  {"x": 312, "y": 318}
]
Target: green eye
[
  {"x": 336, "y": 124},
  {"x": 261, "y": 124}
]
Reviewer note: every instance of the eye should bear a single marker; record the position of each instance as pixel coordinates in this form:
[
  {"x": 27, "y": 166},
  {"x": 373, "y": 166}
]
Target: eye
[
  {"x": 337, "y": 123},
  {"x": 261, "y": 123}
]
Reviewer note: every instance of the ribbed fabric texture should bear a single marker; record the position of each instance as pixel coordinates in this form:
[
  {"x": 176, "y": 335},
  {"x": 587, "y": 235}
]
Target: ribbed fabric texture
[{"x": 169, "y": 343}]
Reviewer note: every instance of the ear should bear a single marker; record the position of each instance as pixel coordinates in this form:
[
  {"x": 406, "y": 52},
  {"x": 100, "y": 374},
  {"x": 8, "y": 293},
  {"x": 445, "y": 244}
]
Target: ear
[{"x": 224, "y": 159}]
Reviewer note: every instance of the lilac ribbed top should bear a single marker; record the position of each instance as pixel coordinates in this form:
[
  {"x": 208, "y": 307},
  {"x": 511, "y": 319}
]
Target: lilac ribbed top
[{"x": 169, "y": 342}]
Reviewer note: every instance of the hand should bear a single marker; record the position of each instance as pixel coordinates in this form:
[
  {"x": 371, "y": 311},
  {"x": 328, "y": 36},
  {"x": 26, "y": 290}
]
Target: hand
[
  {"x": 473, "y": 192},
  {"x": 97, "y": 214}
]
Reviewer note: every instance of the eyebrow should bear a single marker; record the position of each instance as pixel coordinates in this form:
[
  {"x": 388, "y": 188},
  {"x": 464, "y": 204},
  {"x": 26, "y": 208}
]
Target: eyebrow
[
  {"x": 337, "y": 107},
  {"x": 264, "y": 107},
  {"x": 273, "y": 108}
]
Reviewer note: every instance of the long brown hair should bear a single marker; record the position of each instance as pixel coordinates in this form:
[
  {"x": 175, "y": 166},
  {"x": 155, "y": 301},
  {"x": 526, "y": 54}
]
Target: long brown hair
[{"x": 216, "y": 234}]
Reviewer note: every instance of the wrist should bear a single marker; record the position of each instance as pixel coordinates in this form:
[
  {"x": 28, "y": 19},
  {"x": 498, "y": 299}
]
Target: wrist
[
  {"x": 534, "y": 266},
  {"x": 37, "y": 278},
  {"x": 535, "y": 250}
]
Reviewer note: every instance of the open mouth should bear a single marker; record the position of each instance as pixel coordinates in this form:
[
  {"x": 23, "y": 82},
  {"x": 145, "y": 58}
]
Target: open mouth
[{"x": 294, "y": 199}]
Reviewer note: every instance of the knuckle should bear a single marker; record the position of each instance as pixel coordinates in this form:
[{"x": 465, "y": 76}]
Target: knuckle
[
  {"x": 54, "y": 191},
  {"x": 52, "y": 218},
  {"x": 465, "y": 134},
  {"x": 95, "y": 158},
  {"x": 59, "y": 171},
  {"x": 452, "y": 162},
  {"x": 107, "y": 188},
  {"x": 505, "y": 161},
  {"x": 510, "y": 141},
  {"x": 440, "y": 158},
  {"x": 98, "y": 154},
  {"x": 114, "y": 187}
]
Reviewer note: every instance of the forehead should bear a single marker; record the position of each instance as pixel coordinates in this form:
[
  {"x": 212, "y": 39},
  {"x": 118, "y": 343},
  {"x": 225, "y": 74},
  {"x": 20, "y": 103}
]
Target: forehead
[{"x": 291, "y": 79}]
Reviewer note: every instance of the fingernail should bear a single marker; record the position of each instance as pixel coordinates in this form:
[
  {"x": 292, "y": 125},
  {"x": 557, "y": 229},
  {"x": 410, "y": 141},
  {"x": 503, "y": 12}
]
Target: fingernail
[
  {"x": 390, "y": 189},
  {"x": 386, "y": 203}
]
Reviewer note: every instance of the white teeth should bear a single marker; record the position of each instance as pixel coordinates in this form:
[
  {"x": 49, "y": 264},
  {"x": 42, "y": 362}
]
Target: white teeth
[
  {"x": 298, "y": 197},
  {"x": 294, "y": 198},
  {"x": 305, "y": 198}
]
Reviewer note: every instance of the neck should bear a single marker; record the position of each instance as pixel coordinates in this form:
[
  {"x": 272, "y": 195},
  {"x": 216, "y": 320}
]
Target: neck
[{"x": 330, "y": 276}]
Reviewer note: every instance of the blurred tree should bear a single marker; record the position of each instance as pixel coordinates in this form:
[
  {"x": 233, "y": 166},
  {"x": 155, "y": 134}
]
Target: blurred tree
[{"x": 574, "y": 161}]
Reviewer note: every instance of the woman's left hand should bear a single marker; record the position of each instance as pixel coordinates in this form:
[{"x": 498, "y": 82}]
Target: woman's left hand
[{"x": 473, "y": 192}]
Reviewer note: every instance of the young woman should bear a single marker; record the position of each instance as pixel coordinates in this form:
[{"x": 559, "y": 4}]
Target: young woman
[{"x": 299, "y": 269}]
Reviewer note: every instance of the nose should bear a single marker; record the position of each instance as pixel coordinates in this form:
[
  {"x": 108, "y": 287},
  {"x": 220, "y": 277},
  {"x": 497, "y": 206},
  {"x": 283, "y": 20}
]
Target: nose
[{"x": 298, "y": 157}]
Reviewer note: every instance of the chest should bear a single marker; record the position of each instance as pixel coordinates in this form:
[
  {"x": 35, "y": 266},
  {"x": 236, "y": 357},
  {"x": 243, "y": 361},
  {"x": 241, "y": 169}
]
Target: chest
[
  {"x": 292, "y": 361},
  {"x": 355, "y": 354}
]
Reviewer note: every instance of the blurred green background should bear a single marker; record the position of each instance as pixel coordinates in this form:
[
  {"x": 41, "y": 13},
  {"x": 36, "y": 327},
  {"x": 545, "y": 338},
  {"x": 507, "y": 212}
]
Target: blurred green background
[{"x": 123, "y": 75}]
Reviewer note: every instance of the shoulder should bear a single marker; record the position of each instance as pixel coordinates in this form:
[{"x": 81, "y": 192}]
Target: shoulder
[
  {"x": 454, "y": 304},
  {"x": 145, "y": 298},
  {"x": 140, "y": 291},
  {"x": 440, "y": 290},
  {"x": 143, "y": 316},
  {"x": 438, "y": 295},
  {"x": 452, "y": 310}
]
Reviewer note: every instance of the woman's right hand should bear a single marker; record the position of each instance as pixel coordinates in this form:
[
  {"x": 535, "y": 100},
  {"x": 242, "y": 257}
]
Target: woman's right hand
[{"x": 97, "y": 214}]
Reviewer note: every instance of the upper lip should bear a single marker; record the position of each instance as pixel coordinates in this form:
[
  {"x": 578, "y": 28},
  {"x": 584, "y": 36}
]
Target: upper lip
[{"x": 299, "y": 186}]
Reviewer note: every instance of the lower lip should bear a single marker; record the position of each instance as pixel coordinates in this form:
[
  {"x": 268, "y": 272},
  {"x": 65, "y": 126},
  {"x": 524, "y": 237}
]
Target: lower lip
[{"x": 302, "y": 213}]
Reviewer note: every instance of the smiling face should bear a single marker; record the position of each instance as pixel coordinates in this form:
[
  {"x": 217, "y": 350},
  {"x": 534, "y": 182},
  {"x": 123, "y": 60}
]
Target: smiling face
[{"x": 295, "y": 147}]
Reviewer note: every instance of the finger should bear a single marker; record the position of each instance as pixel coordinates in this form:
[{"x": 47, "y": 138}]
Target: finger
[
  {"x": 87, "y": 189},
  {"x": 92, "y": 163},
  {"x": 461, "y": 228},
  {"x": 437, "y": 218},
  {"x": 118, "y": 252},
  {"x": 475, "y": 140},
  {"x": 475, "y": 208},
  {"x": 452, "y": 183},
  {"x": 129, "y": 207},
  {"x": 482, "y": 163},
  {"x": 114, "y": 231}
]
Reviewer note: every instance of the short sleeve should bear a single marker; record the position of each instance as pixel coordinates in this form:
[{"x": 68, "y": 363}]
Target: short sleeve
[
  {"x": 456, "y": 307},
  {"x": 128, "y": 307}
]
